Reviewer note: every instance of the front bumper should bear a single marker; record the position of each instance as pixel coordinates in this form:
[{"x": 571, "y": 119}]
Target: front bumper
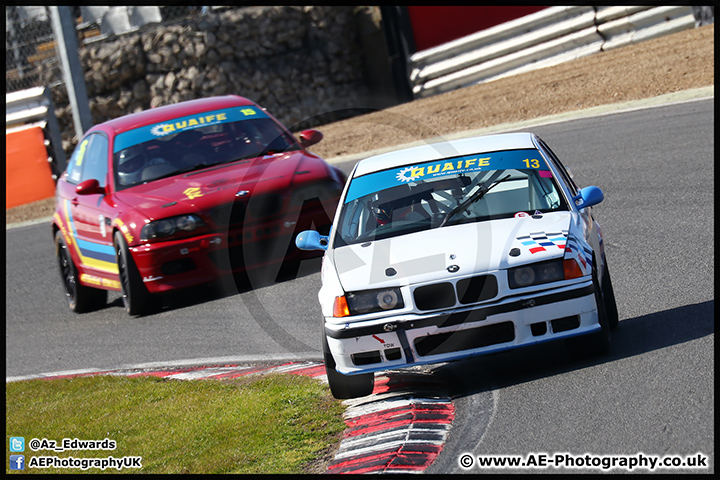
[
  {"x": 412, "y": 339},
  {"x": 176, "y": 264}
]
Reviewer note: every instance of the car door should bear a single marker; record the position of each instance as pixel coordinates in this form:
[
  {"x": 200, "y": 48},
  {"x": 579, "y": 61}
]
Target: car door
[{"x": 90, "y": 215}]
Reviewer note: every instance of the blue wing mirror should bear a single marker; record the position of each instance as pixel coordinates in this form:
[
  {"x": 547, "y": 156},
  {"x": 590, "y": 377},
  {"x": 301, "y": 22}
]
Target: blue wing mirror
[
  {"x": 588, "y": 196},
  {"x": 311, "y": 240}
]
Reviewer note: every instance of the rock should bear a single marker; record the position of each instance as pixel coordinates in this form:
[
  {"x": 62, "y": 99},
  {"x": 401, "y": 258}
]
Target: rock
[
  {"x": 300, "y": 62},
  {"x": 156, "y": 101},
  {"x": 140, "y": 90},
  {"x": 210, "y": 40},
  {"x": 169, "y": 81}
]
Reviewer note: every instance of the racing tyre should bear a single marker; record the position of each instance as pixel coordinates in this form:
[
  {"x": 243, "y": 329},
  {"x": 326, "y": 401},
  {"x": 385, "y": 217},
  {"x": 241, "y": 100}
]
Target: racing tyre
[
  {"x": 136, "y": 298},
  {"x": 80, "y": 298},
  {"x": 596, "y": 343},
  {"x": 609, "y": 299},
  {"x": 346, "y": 386}
]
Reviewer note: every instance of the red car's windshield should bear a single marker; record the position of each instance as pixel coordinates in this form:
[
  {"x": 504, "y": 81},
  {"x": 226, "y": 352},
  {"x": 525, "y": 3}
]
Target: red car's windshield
[{"x": 175, "y": 152}]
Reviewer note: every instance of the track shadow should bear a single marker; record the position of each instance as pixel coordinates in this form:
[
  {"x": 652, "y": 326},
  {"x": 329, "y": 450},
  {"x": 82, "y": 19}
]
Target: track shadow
[
  {"x": 231, "y": 285},
  {"x": 634, "y": 336}
]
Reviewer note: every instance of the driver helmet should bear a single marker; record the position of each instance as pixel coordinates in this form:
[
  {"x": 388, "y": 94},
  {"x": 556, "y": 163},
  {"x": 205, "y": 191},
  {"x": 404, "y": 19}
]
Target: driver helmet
[
  {"x": 388, "y": 205},
  {"x": 383, "y": 216},
  {"x": 131, "y": 162}
]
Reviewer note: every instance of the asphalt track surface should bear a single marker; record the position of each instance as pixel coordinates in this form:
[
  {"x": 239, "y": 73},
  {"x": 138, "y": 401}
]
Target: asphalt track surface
[{"x": 652, "y": 394}]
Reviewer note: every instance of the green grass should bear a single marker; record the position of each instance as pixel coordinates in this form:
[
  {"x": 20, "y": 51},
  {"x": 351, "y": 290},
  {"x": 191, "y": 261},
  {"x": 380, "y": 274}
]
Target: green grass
[{"x": 277, "y": 423}]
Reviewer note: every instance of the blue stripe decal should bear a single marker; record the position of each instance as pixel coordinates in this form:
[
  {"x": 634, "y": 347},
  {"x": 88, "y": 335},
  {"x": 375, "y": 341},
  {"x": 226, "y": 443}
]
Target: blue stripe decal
[
  {"x": 95, "y": 248},
  {"x": 106, "y": 253}
]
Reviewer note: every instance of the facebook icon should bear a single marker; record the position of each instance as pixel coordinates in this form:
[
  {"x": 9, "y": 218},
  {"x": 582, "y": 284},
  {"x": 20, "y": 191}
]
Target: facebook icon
[{"x": 17, "y": 462}]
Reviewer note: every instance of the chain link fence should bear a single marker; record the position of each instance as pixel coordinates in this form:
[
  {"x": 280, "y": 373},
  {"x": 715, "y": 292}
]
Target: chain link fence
[
  {"x": 29, "y": 47},
  {"x": 31, "y": 59}
]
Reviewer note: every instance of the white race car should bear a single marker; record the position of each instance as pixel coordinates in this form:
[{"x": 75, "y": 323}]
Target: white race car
[{"x": 456, "y": 249}]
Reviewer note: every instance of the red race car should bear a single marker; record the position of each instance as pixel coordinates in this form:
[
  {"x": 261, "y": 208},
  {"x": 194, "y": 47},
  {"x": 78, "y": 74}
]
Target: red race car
[{"x": 180, "y": 195}]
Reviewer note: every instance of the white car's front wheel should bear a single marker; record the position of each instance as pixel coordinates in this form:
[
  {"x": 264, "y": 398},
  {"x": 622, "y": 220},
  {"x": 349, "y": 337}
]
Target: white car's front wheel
[
  {"x": 596, "y": 343},
  {"x": 608, "y": 295},
  {"x": 346, "y": 386}
]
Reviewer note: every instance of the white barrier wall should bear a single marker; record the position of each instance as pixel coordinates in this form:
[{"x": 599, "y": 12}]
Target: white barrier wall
[{"x": 548, "y": 37}]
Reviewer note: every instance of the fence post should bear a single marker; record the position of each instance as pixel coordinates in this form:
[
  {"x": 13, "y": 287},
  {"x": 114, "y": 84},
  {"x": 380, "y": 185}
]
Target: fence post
[
  {"x": 58, "y": 153},
  {"x": 400, "y": 45},
  {"x": 67, "y": 48}
]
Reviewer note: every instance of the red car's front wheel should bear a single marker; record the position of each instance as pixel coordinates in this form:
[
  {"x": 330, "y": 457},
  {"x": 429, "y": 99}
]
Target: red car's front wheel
[{"x": 136, "y": 298}]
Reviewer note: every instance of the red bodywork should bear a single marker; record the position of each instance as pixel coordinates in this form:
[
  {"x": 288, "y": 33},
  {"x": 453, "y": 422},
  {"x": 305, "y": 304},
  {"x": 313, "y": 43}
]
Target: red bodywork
[{"x": 250, "y": 208}]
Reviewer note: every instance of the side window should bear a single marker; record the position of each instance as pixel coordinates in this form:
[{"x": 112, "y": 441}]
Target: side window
[
  {"x": 96, "y": 160},
  {"x": 89, "y": 160},
  {"x": 563, "y": 171},
  {"x": 75, "y": 165}
]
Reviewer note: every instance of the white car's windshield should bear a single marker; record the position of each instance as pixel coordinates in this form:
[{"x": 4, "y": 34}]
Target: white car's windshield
[{"x": 447, "y": 192}]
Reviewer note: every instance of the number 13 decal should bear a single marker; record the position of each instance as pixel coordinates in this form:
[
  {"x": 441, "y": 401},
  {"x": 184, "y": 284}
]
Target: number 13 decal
[{"x": 534, "y": 163}]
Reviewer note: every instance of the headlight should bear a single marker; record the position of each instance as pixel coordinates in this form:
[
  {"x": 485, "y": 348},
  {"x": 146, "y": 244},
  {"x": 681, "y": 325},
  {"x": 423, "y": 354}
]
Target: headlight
[
  {"x": 541, "y": 272},
  {"x": 368, "y": 301},
  {"x": 521, "y": 277},
  {"x": 169, "y": 226}
]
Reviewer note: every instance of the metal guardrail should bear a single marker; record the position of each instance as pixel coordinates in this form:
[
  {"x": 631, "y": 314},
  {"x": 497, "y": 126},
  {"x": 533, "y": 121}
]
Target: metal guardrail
[
  {"x": 25, "y": 106},
  {"x": 35, "y": 107},
  {"x": 548, "y": 37}
]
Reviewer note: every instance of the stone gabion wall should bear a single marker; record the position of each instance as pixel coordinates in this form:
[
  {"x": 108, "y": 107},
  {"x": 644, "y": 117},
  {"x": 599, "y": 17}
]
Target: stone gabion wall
[{"x": 303, "y": 63}]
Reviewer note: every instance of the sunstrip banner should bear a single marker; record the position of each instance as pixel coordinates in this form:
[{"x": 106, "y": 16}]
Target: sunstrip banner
[
  {"x": 191, "y": 122},
  {"x": 511, "y": 159}
]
